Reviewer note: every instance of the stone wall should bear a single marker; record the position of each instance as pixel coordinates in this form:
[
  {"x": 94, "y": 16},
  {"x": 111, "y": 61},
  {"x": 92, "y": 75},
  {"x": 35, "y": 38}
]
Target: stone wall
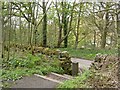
[{"x": 63, "y": 56}]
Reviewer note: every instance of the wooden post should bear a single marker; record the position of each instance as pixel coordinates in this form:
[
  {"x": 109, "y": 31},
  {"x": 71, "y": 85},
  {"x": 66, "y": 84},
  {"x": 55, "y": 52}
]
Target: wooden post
[{"x": 74, "y": 68}]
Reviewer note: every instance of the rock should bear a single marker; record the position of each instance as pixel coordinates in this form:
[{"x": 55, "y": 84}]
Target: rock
[{"x": 65, "y": 54}]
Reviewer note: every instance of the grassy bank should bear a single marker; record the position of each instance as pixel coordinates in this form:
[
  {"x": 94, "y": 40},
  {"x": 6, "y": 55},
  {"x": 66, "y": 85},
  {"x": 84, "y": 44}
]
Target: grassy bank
[
  {"x": 87, "y": 53},
  {"x": 18, "y": 67},
  {"x": 77, "y": 82}
]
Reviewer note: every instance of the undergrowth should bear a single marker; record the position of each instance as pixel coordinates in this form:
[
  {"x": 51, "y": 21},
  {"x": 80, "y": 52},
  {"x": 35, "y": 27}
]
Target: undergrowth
[
  {"x": 18, "y": 67},
  {"x": 77, "y": 82}
]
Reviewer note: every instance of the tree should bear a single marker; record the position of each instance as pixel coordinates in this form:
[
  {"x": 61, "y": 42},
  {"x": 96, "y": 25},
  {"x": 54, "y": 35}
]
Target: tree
[
  {"x": 20, "y": 27},
  {"x": 2, "y": 24},
  {"x": 63, "y": 22},
  {"x": 1, "y": 32},
  {"x": 9, "y": 29},
  {"x": 78, "y": 27},
  {"x": 44, "y": 25},
  {"x": 60, "y": 25},
  {"x": 102, "y": 20}
]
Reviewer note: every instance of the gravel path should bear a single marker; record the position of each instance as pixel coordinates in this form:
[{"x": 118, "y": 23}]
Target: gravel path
[{"x": 82, "y": 62}]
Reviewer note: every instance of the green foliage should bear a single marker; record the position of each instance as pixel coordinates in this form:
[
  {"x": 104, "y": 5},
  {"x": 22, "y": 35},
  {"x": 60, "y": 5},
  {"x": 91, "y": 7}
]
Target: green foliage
[
  {"x": 77, "y": 82},
  {"x": 14, "y": 74},
  {"x": 29, "y": 62},
  {"x": 19, "y": 67},
  {"x": 87, "y": 53}
]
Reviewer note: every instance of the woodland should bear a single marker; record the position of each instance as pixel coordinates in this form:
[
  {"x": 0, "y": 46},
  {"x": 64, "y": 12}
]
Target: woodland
[{"x": 34, "y": 34}]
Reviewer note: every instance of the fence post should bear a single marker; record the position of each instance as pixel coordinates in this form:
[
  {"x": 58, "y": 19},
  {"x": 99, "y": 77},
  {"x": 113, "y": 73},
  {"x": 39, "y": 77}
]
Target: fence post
[{"x": 74, "y": 68}]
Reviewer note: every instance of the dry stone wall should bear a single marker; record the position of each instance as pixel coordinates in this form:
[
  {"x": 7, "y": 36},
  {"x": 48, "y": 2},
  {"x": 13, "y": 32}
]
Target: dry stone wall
[{"x": 63, "y": 56}]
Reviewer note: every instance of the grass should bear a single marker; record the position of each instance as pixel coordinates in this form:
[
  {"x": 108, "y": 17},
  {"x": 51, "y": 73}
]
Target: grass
[
  {"x": 87, "y": 53},
  {"x": 77, "y": 82}
]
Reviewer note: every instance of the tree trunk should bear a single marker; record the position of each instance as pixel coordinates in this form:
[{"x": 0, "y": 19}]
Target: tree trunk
[
  {"x": 76, "y": 42},
  {"x": 20, "y": 28},
  {"x": 2, "y": 31},
  {"x": 65, "y": 32},
  {"x": 60, "y": 27},
  {"x": 103, "y": 39},
  {"x": 34, "y": 23},
  {"x": 9, "y": 10},
  {"x": 77, "y": 32},
  {"x": 94, "y": 38},
  {"x": 104, "y": 33},
  {"x": 60, "y": 36},
  {"x": 65, "y": 24},
  {"x": 29, "y": 25},
  {"x": 94, "y": 30},
  {"x": 44, "y": 25},
  {"x": 15, "y": 38},
  {"x": 36, "y": 26}
]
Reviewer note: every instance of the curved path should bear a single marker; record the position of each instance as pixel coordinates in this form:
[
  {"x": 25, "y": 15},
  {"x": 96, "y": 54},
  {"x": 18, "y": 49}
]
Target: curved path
[{"x": 82, "y": 62}]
